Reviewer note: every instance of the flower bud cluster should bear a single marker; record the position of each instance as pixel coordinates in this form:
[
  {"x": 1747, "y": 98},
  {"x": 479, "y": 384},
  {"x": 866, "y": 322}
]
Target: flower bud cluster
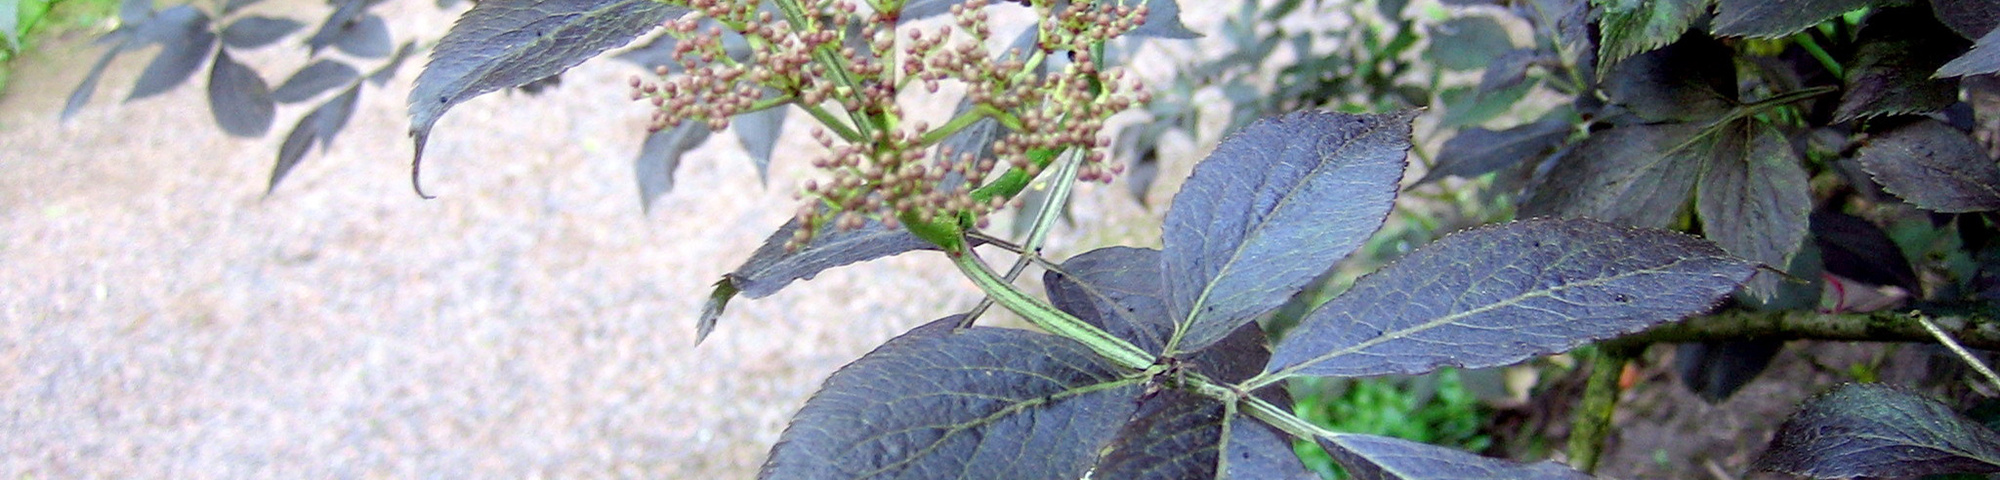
[{"x": 846, "y": 67}]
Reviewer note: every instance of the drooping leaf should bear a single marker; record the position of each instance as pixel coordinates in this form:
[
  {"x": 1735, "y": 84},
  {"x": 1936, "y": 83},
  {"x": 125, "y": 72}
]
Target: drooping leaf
[
  {"x": 1273, "y": 206},
  {"x": 1874, "y": 430},
  {"x": 88, "y": 87},
  {"x": 1970, "y": 18},
  {"x": 1118, "y": 289},
  {"x": 1855, "y": 249},
  {"x": 1934, "y": 167},
  {"x": 758, "y": 132},
  {"x": 772, "y": 267},
  {"x": 1631, "y": 175},
  {"x": 258, "y": 31},
  {"x": 1753, "y": 198},
  {"x": 185, "y": 41},
  {"x": 1495, "y": 295},
  {"x": 382, "y": 75},
  {"x": 239, "y": 98},
  {"x": 1692, "y": 79},
  {"x": 1468, "y": 43},
  {"x": 345, "y": 17},
  {"x": 1983, "y": 59},
  {"x": 1634, "y": 26},
  {"x": 1768, "y": 19},
  {"x": 939, "y": 403},
  {"x": 1716, "y": 370},
  {"x": 319, "y": 126},
  {"x": 318, "y": 77},
  {"x": 1478, "y": 151},
  {"x": 1508, "y": 69},
  {"x": 1898, "y": 50},
  {"x": 505, "y": 43},
  {"x": 368, "y": 38},
  {"x": 1371, "y": 457},
  {"x": 660, "y": 156}
]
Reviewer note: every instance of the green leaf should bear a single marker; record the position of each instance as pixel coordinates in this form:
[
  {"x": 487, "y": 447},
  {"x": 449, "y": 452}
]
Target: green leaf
[
  {"x": 1634, "y": 26},
  {"x": 310, "y": 81},
  {"x": 1468, "y": 43},
  {"x": 1983, "y": 59},
  {"x": 1495, "y": 295},
  {"x": 1632, "y": 175},
  {"x": 1478, "y": 151},
  {"x": 1970, "y": 18},
  {"x": 258, "y": 31},
  {"x": 940, "y": 402},
  {"x": 1934, "y": 167},
  {"x": 239, "y": 98},
  {"x": 1273, "y": 206},
  {"x": 1873, "y": 430},
  {"x": 1897, "y": 52},
  {"x": 1773, "y": 19},
  {"x": 1467, "y": 106},
  {"x": 1753, "y": 197},
  {"x": 185, "y": 41},
  {"x": 1370, "y": 457},
  {"x": 1692, "y": 79},
  {"x": 502, "y": 44}
]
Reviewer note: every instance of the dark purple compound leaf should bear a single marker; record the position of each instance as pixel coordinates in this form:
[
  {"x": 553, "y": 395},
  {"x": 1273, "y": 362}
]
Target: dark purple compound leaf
[{"x": 1880, "y": 431}]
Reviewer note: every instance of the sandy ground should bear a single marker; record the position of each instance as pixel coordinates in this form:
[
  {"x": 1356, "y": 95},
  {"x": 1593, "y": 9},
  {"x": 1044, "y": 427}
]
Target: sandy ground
[{"x": 160, "y": 317}]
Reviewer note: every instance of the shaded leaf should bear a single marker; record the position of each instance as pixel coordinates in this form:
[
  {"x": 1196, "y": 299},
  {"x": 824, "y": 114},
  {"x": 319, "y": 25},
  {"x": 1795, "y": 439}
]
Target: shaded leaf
[
  {"x": 939, "y": 403},
  {"x": 1874, "y": 430},
  {"x": 1716, "y": 370},
  {"x": 1496, "y": 295},
  {"x": 185, "y": 42},
  {"x": 1508, "y": 69},
  {"x": 1694, "y": 78},
  {"x": 238, "y": 98},
  {"x": 345, "y": 17},
  {"x": 258, "y": 31},
  {"x": 318, "y": 77},
  {"x": 1272, "y": 207},
  {"x": 367, "y": 38},
  {"x": 382, "y": 75},
  {"x": 1468, "y": 43},
  {"x": 1897, "y": 52},
  {"x": 660, "y": 156},
  {"x": 1630, "y": 175},
  {"x": 1118, "y": 289},
  {"x": 505, "y": 43},
  {"x": 1983, "y": 59},
  {"x": 1753, "y": 198},
  {"x": 759, "y": 132},
  {"x": 1855, "y": 249},
  {"x": 1163, "y": 20},
  {"x": 1933, "y": 167},
  {"x": 1970, "y": 18},
  {"x": 1179, "y": 435},
  {"x": 319, "y": 126},
  {"x": 88, "y": 87},
  {"x": 170, "y": 24},
  {"x": 233, "y": 5},
  {"x": 1478, "y": 151},
  {"x": 1769, "y": 19},
  {"x": 1371, "y": 457},
  {"x": 1465, "y": 106},
  {"x": 1634, "y": 26}
]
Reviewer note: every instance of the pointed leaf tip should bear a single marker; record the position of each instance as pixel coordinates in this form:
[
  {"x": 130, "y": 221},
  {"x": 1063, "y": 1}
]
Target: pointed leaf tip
[
  {"x": 1235, "y": 241},
  {"x": 1874, "y": 430},
  {"x": 1499, "y": 294}
]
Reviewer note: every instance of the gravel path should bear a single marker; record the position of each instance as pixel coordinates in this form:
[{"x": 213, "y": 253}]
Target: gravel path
[{"x": 160, "y": 317}]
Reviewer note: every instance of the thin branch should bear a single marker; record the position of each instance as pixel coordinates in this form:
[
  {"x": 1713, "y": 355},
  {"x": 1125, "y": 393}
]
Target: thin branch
[
  {"x": 1957, "y": 349},
  {"x": 1974, "y": 332}
]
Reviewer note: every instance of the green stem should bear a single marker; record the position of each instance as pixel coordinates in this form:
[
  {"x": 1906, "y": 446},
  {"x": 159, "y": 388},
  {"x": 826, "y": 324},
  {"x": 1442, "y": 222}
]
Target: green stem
[
  {"x": 1048, "y": 317},
  {"x": 1808, "y": 40},
  {"x": 1030, "y": 249},
  {"x": 1593, "y": 416}
]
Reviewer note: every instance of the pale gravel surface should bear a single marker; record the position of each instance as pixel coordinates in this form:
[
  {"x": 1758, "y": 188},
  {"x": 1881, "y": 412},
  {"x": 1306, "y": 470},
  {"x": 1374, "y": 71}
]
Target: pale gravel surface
[{"x": 161, "y": 318}]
